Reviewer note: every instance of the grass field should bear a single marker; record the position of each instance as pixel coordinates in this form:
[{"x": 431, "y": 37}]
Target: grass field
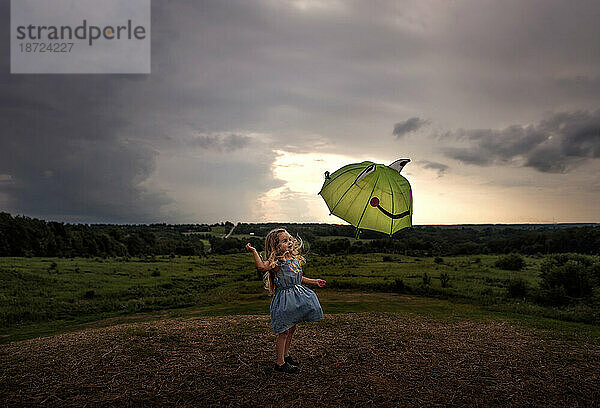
[
  {"x": 42, "y": 296},
  {"x": 193, "y": 331}
]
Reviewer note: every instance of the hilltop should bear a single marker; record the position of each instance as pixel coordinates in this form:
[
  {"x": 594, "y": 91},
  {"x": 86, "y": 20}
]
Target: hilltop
[{"x": 375, "y": 359}]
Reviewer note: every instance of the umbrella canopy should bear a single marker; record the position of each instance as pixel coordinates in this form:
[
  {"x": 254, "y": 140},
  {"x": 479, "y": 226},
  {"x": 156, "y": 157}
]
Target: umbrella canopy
[{"x": 370, "y": 196}]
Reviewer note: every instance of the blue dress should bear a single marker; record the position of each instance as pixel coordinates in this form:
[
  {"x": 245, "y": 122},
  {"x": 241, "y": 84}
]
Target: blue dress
[{"x": 292, "y": 302}]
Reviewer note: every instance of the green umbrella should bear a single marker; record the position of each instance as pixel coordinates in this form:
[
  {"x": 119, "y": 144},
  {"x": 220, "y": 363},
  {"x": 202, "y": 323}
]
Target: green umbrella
[{"x": 370, "y": 196}]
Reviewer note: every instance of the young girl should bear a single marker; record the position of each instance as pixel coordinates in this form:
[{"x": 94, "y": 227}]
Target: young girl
[{"x": 292, "y": 302}]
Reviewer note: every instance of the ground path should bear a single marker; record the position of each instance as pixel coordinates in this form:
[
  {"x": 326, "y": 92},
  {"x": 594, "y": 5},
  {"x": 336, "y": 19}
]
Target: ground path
[
  {"x": 346, "y": 360},
  {"x": 230, "y": 232}
]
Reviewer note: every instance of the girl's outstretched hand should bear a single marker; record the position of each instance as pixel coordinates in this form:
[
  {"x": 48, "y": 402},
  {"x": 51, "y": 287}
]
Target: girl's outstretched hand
[
  {"x": 250, "y": 248},
  {"x": 320, "y": 282}
]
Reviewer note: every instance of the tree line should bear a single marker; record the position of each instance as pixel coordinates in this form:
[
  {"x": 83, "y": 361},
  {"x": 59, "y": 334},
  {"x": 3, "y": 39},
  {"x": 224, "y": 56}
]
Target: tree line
[
  {"x": 24, "y": 236},
  {"x": 435, "y": 241}
]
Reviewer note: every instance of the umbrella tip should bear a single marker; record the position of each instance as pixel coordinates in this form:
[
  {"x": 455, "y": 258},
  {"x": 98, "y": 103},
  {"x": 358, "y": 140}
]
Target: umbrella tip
[{"x": 399, "y": 164}]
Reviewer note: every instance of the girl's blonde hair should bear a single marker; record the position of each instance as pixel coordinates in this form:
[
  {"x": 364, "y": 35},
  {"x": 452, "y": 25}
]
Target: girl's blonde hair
[{"x": 275, "y": 256}]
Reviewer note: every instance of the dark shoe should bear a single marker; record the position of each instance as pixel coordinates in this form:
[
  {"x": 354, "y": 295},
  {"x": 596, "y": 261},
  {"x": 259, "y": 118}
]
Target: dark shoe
[
  {"x": 291, "y": 361},
  {"x": 286, "y": 368}
]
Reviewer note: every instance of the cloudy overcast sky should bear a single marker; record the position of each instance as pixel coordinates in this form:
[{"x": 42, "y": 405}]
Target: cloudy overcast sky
[{"x": 497, "y": 103}]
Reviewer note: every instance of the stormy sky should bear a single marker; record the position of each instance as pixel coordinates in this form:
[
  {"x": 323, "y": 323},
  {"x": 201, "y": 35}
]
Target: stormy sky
[{"x": 497, "y": 103}]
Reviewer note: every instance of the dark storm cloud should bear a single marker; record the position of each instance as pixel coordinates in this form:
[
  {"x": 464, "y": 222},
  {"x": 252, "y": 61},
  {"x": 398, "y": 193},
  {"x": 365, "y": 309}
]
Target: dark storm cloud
[
  {"x": 410, "y": 125},
  {"x": 274, "y": 68},
  {"x": 93, "y": 182},
  {"x": 489, "y": 145},
  {"x": 581, "y": 86},
  {"x": 271, "y": 67},
  {"x": 555, "y": 145},
  {"x": 309, "y": 78},
  {"x": 63, "y": 148},
  {"x": 5, "y": 43},
  {"x": 227, "y": 143},
  {"x": 441, "y": 168},
  {"x": 85, "y": 147}
]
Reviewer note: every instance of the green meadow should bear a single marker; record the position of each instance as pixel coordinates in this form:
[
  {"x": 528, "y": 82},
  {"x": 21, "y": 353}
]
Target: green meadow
[{"x": 45, "y": 296}]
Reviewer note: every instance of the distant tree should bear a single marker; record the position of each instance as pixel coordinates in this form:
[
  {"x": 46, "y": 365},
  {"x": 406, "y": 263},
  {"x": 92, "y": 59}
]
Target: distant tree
[
  {"x": 571, "y": 274},
  {"x": 510, "y": 262}
]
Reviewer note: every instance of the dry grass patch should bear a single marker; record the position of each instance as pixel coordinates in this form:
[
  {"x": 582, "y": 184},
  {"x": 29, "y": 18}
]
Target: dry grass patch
[{"x": 346, "y": 360}]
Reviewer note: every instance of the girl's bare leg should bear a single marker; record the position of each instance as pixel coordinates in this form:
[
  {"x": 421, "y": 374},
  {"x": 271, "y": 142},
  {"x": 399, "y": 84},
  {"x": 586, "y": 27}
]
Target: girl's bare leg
[
  {"x": 280, "y": 347},
  {"x": 290, "y": 331}
]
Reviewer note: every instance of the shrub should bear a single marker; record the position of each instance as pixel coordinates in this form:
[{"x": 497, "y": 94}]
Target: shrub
[
  {"x": 595, "y": 274},
  {"x": 156, "y": 273},
  {"x": 444, "y": 280},
  {"x": 426, "y": 279},
  {"x": 517, "y": 288},
  {"x": 556, "y": 296},
  {"x": 89, "y": 294},
  {"x": 510, "y": 262},
  {"x": 399, "y": 286},
  {"x": 438, "y": 260},
  {"x": 574, "y": 273}
]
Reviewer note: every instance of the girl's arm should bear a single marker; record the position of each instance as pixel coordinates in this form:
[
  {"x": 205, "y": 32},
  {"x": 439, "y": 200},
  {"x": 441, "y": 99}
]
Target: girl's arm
[
  {"x": 260, "y": 265},
  {"x": 319, "y": 282}
]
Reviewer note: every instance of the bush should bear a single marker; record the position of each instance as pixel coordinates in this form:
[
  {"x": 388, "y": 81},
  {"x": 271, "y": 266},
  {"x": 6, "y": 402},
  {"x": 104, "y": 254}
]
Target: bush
[
  {"x": 556, "y": 296},
  {"x": 510, "y": 262},
  {"x": 517, "y": 288},
  {"x": 438, "y": 260},
  {"x": 426, "y": 279},
  {"x": 444, "y": 280},
  {"x": 573, "y": 273},
  {"x": 399, "y": 286},
  {"x": 595, "y": 274}
]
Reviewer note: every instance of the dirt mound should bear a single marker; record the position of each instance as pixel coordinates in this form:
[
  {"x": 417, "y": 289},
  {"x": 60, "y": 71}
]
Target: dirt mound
[{"x": 346, "y": 360}]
